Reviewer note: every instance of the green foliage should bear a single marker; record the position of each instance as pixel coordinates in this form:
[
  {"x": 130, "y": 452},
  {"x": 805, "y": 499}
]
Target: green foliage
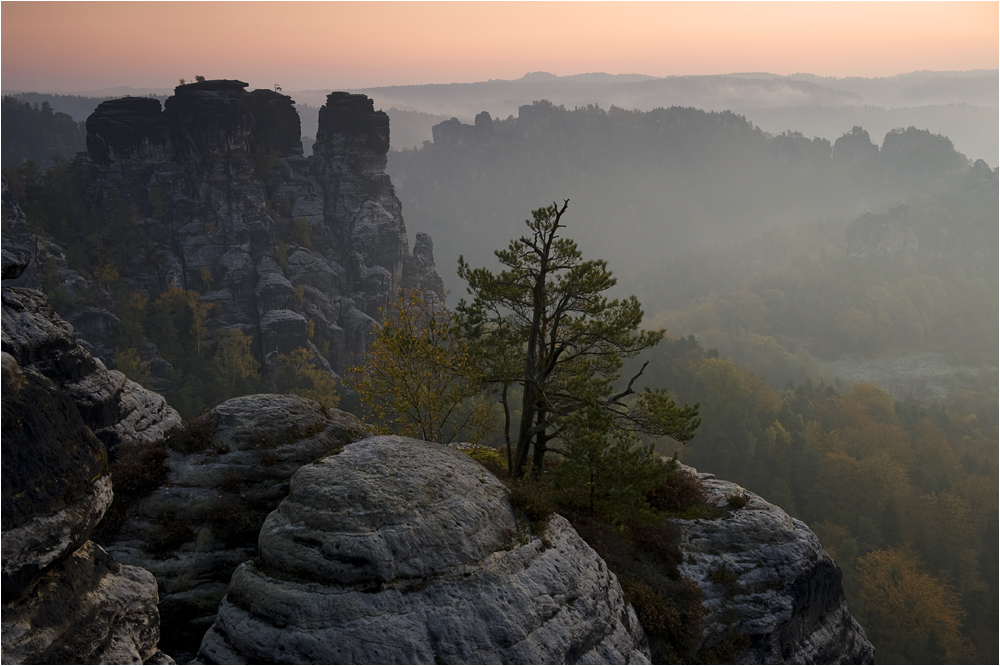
[
  {"x": 420, "y": 378},
  {"x": 235, "y": 361},
  {"x": 128, "y": 362},
  {"x": 298, "y": 373},
  {"x": 281, "y": 253},
  {"x": 562, "y": 341}
]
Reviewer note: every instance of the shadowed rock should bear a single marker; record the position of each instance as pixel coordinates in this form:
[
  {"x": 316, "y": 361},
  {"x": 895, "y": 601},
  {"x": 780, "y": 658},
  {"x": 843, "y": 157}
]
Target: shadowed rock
[
  {"x": 65, "y": 600},
  {"x": 224, "y": 474},
  {"x": 766, "y": 578}
]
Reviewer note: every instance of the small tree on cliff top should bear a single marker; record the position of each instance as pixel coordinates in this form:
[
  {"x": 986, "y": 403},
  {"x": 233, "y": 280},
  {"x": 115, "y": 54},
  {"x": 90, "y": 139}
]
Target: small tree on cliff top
[
  {"x": 545, "y": 324},
  {"x": 419, "y": 377}
]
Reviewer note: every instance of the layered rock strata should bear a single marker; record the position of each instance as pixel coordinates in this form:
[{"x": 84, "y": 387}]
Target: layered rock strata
[
  {"x": 296, "y": 252},
  {"x": 769, "y": 584},
  {"x": 65, "y": 600},
  {"x": 223, "y": 476},
  {"x": 115, "y": 408},
  {"x": 400, "y": 551}
]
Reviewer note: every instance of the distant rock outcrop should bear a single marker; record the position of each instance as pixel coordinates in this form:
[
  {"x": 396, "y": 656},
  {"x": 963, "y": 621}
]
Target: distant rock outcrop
[
  {"x": 223, "y": 475},
  {"x": 65, "y": 600},
  {"x": 769, "y": 583},
  {"x": 886, "y": 235},
  {"x": 295, "y": 252},
  {"x": 400, "y": 551},
  {"x": 454, "y": 133}
]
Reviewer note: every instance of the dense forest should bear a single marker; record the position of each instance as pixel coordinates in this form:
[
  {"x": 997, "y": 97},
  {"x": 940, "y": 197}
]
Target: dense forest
[
  {"x": 38, "y": 134},
  {"x": 755, "y": 251}
]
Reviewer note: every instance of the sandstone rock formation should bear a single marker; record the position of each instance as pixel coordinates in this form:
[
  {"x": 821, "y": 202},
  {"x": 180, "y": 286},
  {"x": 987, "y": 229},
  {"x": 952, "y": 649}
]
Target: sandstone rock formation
[
  {"x": 768, "y": 582},
  {"x": 65, "y": 600},
  {"x": 223, "y": 476},
  {"x": 454, "y": 133},
  {"x": 400, "y": 551},
  {"x": 296, "y": 252},
  {"x": 113, "y": 407}
]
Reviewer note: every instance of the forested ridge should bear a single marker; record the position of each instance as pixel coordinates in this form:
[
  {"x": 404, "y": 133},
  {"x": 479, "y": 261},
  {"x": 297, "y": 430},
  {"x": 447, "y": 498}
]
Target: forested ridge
[{"x": 652, "y": 186}]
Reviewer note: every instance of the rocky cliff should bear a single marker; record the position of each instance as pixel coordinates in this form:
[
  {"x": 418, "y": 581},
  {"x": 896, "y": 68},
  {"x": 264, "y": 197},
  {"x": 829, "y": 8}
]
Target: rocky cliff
[
  {"x": 770, "y": 588},
  {"x": 65, "y": 600},
  {"x": 401, "y": 551},
  {"x": 221, "y": 476},
  {"x": 213, "y": 195}
]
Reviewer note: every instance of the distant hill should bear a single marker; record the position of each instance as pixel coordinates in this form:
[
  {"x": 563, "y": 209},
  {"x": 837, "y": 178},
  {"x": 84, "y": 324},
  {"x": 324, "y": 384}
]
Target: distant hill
[{"x": 960, "y": 105}]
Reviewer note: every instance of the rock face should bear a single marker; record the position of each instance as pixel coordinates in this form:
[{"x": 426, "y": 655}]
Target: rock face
[
  {"x": 766, "y": 578},
  {"x": 65, "y": 600},
  {"x": 88, "y": 610},
  {"x": 454, "y": 133},
  {"x": 887, "y": 235},
  {"x": 296, "y": 252},
  {"x": 116, "y": 409},
  {"x": 400, "y": 551},
  {"x": 228, "y": 471}
]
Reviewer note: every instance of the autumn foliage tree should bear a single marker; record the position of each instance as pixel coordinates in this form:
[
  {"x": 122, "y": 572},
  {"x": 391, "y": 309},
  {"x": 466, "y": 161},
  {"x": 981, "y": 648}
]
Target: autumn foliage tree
[
  {"x": 299, "y": 373},
  {"x": 911, "y": 616},
  {"x": 419, "y": 377}
]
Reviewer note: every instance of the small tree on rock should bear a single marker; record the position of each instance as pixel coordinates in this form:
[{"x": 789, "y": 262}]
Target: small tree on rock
[
  {"x": 547, "y": 311},
  {"x": 420, "y": 377}
]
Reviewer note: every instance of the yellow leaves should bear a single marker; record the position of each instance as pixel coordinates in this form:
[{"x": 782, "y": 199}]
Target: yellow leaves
[
  {"x": 299, "y": 374},
  {"x": 910, "y": 615},
  {"x": 128, "y": 363},
  {"x": 106, "y": 275},
  {"x": 419, "y": 378},
  {"x": 234, "y": 359}
]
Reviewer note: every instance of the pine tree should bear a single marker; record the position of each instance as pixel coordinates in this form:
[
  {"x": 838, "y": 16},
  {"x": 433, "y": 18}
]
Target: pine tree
[{"x": 547, "y": 310}]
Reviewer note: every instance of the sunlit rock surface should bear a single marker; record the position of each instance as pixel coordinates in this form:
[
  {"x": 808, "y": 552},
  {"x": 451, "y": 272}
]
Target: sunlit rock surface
[
  {"x": 766, "y": 578},
  {"x": 400, "y": 551}
]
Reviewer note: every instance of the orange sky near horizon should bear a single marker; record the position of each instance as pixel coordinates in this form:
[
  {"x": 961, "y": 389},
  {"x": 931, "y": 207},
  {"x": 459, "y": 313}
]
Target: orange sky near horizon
[{"x": 80, "y": 46}]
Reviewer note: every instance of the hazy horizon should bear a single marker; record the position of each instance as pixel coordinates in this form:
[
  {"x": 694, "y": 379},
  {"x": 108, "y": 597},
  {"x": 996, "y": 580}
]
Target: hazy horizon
[{"x": 86, "y": 47}]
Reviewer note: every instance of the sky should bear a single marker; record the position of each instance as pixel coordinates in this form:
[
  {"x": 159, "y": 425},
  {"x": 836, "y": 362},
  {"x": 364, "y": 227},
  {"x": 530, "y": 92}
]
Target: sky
[{"x": 61, "y": 47}]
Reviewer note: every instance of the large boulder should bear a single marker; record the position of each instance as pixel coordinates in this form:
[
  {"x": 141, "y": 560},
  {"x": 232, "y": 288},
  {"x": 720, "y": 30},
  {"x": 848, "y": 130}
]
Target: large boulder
[
  {"x": 223, "y": 474},
  {"x": 89, "y": 610},
  {"x": 770, "y": 588},
  {"x": 401, "y": 551}
]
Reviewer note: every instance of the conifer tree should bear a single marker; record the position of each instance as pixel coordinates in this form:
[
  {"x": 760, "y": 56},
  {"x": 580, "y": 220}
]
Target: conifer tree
[{"x": 553, "y": 331}]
